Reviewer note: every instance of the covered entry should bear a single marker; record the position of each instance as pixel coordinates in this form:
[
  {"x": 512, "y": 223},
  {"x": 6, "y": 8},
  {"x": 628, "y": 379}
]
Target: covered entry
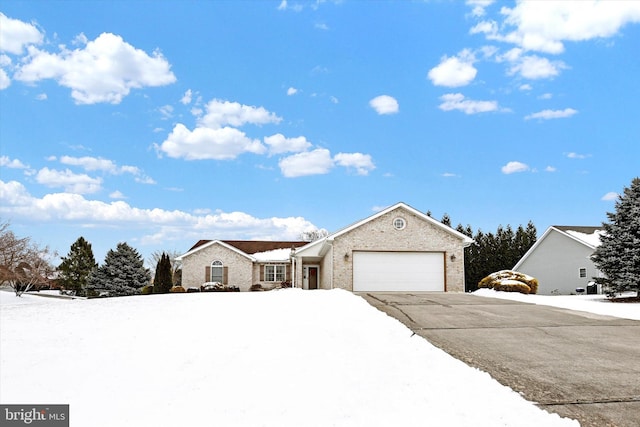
[{"x": 398, "y": 271}]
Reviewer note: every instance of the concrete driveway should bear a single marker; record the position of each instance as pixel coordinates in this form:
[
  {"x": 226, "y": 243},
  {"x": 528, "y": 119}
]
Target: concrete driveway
[{"x": 579, "y": 365}]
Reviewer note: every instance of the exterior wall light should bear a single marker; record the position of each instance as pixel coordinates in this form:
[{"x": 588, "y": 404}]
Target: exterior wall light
[{"x": 452, "y": 257}]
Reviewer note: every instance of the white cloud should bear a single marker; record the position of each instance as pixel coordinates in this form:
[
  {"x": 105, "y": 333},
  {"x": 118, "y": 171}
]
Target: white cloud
[
  {"x": 92, "y": 164},
  {"x": 104, "y": 70},
  {"x": 278, "y": 144},
  {"x": 531, "y": 67},
  {"x": 457, "y": 101},
  {"x": 292, "y": 91},
  {"x": 478, "y": 6},
  {"x": 71, "y": 182},
  {"x": 15, "y": 35},
  {"x": 514, "y": 167},
  {"x": 454, "y": 71},
  {"x": 206, "y": 143},
  {"x": 167, "y": 225},
  {"x": 552, "y": 114},
  {"x": 221, "y": 113},
  {"x": 546, "y": 96},
  {"x": 5, "y": 81},
  {"x": 6, "y": 162},
  {"x": 166, "y": 111},
  {"x": 550, "y": 169},
  {"x": 186, "y": 98},
  {"x": 42, "y": 97},
  {"x": 544, "y": 25},
  {"x": 362, "y": 163},
  {"x": 316, "y": 162},
  {"x": 321, "y": 26},
  {"x": 574, "y": 155},
  {"x": 117, "y": 195},
  {"x": 449, "y": 175},
  {"x": 610, "y": 196},
  {"x": 384, "y": 104},
  {"x": 525, "y": 87}
]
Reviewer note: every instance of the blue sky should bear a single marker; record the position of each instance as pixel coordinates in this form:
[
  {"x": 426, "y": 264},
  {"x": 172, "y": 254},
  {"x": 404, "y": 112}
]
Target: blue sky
[{"x": 162, "y": 123}]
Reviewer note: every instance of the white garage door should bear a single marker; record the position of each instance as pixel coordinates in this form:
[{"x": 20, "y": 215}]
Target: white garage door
[{"x": 398, "y": 271}]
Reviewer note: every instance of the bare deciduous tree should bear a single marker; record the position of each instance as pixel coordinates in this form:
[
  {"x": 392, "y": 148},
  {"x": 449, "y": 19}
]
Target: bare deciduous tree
[
  {"x": 313, "y": 235},
  {"x": 23, "y": 264}
]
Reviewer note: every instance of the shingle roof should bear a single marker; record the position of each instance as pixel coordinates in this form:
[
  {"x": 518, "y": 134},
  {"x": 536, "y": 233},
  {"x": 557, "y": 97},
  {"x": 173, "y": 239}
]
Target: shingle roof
[{"x": 254, "y": 246}]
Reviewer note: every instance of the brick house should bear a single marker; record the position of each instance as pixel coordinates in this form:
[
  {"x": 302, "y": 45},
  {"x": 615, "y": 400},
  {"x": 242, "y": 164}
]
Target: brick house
[{"x": 397, "y": 249}]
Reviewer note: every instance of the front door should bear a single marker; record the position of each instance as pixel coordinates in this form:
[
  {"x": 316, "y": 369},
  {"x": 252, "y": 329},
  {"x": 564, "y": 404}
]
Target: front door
[{"x": 311, "y": 277}]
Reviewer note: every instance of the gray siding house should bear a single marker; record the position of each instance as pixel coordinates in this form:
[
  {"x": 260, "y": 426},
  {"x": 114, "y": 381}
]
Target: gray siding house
[
  {"x": 561, "y": 259},
  {"x": 396, "y": 249}
]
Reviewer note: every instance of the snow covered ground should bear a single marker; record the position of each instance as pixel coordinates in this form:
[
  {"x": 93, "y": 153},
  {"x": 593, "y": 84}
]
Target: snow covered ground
[
  {"x": 598, "y": 304},
  {"x": 280, "y": 358}
]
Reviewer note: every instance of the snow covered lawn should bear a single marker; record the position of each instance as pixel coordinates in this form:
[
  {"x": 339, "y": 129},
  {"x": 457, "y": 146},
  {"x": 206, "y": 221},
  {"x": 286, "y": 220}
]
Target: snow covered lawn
[
  {"x": 280, "y": 358},
  {"x": 597, "y": 304}
]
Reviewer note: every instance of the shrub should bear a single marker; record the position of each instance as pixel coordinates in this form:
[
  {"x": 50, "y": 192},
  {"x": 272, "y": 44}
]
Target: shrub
[
  {"x": 510, "y": 281},
  {"x": 177, "y": 289},
  {"x": 256, "y": 287},
  {"x": 192, "y": 289},
  {"x": 146, "y": 290},
  {"x": 218, "y": 287},
  {"x": 512, "y": 286}
]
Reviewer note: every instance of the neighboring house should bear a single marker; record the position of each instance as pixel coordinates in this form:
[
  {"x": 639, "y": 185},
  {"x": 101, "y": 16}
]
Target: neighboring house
[
  {"x": 561, "y": 259},
  {"x": 396, "y": 249}
]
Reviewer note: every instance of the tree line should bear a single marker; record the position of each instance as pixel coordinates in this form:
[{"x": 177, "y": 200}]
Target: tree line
[
  {"x": 491, "y": 252},
  {"x": 25, "y": 266}
]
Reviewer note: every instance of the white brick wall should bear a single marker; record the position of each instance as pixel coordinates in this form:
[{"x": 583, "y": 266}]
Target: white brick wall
[
  {"x": 380, "y": 235},
  {"x": 239, "y": 267}
]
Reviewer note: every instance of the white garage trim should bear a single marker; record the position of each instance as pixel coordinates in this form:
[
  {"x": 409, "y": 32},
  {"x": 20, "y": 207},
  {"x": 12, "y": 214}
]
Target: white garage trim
[{"x": 398, "y": 271}]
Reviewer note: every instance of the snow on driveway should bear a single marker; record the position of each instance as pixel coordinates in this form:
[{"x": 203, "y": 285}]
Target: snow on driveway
[
  {"x": 597, "y": 304},
  {"x": 280, "y": 358}
]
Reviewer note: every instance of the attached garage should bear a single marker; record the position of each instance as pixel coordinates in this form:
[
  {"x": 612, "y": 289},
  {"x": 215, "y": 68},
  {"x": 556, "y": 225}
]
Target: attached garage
[{"x": 398, "y": 271}]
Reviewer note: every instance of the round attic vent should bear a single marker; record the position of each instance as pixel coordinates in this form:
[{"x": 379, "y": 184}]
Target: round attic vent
[{"x": 399, "y": 223}]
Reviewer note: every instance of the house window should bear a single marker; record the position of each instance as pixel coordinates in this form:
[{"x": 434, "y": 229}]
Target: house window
[
  {"x": 274, "y": 273},
  {"x": 399, "y": 223},
  {"x": 583, "y": 272},
  {"x": 216, "y": 271}
]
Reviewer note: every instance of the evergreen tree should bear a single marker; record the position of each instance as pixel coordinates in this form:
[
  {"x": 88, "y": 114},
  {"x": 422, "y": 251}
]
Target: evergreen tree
[
  {"x": 446, "y": 220},
  {"x": 618, "y": 256},
  {"x": 163, "y": 279},
  {"x": 123, "y": 272},
  {"x": 76, "y": 266}
]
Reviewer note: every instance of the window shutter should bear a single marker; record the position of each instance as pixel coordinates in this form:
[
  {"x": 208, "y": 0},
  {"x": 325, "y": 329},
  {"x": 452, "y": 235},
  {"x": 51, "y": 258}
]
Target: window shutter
[
  {"x": 207, "y": 274},
  {"x": 225, "y": 275},
  {"x": 262, "y": 273},
  {"x": 288, "y": 273}
]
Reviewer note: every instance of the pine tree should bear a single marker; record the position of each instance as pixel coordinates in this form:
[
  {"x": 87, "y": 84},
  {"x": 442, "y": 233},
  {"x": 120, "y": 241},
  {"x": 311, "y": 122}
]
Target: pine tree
[
  {"x": 76, "y": 266},
  {"x": 163, "y": 279},
  {"x": 123, "y": 272},
  {"x": 618, "y": 256},
  {"x": 446, "y": 220}
]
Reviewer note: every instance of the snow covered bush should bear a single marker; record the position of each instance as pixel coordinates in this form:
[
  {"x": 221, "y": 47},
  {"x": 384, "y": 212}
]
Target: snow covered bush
[
  {"x": 510, "y": 281},
  {"x": 218, "y": 287},
  {"x": 192, "y": 289}
]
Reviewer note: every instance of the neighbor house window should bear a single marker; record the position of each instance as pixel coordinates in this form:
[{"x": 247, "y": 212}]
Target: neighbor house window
[
  {"x": 583, "y": 272},
  {"x": 216, "y": 271},
  {"x": 274, "y": 273}
]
